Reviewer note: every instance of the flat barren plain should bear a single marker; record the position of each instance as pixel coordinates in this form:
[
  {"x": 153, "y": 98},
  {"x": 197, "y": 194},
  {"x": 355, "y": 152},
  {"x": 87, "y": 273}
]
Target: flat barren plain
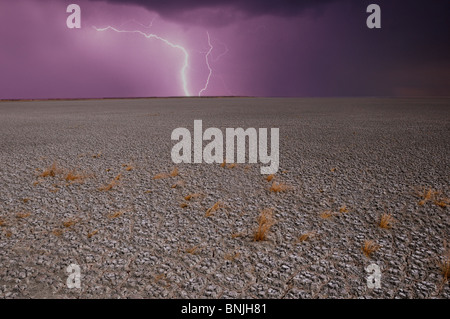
[{"x": 91, "y": 182}]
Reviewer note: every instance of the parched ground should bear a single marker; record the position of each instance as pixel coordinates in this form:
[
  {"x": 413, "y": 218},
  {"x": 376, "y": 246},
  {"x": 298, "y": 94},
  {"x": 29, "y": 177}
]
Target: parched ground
[{"x": 78, "y": 186}]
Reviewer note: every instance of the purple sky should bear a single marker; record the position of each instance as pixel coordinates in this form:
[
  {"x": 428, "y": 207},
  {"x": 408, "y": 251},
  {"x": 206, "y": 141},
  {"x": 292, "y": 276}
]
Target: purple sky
[{"x": 260, "y": 48}]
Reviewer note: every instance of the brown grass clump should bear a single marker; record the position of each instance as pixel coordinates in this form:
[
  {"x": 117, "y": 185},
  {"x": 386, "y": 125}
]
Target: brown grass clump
[
  {"x": 223, "y": 164},
  {"x": 265, "y": 222},
  {"x": 343, "y": 209},
  {"x": 232, "y": 256},
  {"x": 92, "y": 233},
  {"x": 306, "y": 236},
  {"x": 129, "y": 168},
  {"x": 73, "y": 177},
  {"x": 57, "y": 232},
  {"x": 370, "y": 247},
  {"x": 435, "y": 196},
  {"x": 51, "y": 171},
  {"x": 386, "y": 221},
  {"x": 115, "y": 214},
  {"x": 218, "y": 205},
  {"x": 192, "y": 250},
  {"x": 327, "y": 214},
  {"x": 232, "y": 165},
  {"x": 270, "y": 177},
  {"x": 23, "y": 215},
  {"x": 69, "y": 223},
  {"x": 279, "y": 187},
  {"x": 192, "y": 196},
  {"x": 25, "y": 200},
  {"x": 236, "y": 235},
  {"x": 444, "y": 265},
  {"x": 179, "y": 183},
  {"x": 183, "y": 205},
  {"x": 111, "y": 184},
  {"x": 174, "y": 172}
]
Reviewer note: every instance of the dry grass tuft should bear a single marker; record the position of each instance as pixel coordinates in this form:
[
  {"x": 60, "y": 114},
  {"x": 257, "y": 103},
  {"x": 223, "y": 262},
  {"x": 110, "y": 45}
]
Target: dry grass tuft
[
  {"x": 183, "y": 205},
  {"x": 57, "y": 232},
  {"x": 333, "y": 170},
  {"x": 265, "y": 222},
  {"x": 386, "y": 221},
  {"x": 444, "y": 265},
  {"x": 370, "y": 247},
  {"x": 179, "y": 183},
  {"x": 223, "y": 164},
  {"x": 116, "y": 214},
  {"x": 306, "y": 236},
  {"x": 236, "y": 235},
  {"x": 174, "y": 172},
  {"x": 51, "y": 171},
  {"x": 343, "y": 209},
  {"x": 73, "y": 177},
  {"x": 111, "y": 184},
  {"x": 270, "y": 177},
  {"x": 232, "y": 165},
  {"x": 192, "y": 250},
  {"x": 232, "y": 256},
  {"x": 192, "y": 196},
  {"x": 25, "y": 200},
  {"x": 92, "y": 233},
  {"x": 69, "y": 223},
  {"x": 327, "y": 214},
  {"x": 218, "y": 205},
  {"x": 279, "y": 187},
  {"x": 435, "y": 196},
  {"x": 23, "y": 215}
]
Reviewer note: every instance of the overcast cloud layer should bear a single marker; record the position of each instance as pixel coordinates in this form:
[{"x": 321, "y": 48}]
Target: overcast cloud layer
[{"x": 259, "y": 48}]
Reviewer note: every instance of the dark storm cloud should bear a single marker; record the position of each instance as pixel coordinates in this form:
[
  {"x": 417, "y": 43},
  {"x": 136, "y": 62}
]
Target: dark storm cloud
[{"x": 170, "y": 8}]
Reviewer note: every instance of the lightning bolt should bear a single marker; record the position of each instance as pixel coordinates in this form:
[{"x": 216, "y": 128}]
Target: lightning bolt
[
  {"x": 207, "y": 63},
  {"x": 154, "y": 36}
]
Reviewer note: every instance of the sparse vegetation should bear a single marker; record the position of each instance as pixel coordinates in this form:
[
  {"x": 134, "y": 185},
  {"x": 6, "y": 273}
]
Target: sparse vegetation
[
  {"x": 265, "y": 222},
  {"x": 435, "y": 196},
  {"x": 69, "y": 223},
  {"x": 173, "y": 173},
  {"x": 386, "y": 221},
  {"x": 23, "y": 215},
  {"x": 444, "y": 265},
  {"x": 115, "y": 214},
  {"x": 369, "y": 248},
  {"x": 306, "y": 236},
  {"x": 270, "y": 177},
  {"x": 218, "y": 205},
  {"x": 111, "y": 184},
  {"x": 51, "y": 171},
  {"x": 92, "y": 233},
  {"x": 57, "y": 232},
  {"x": 192, "y": 250},
  {"x": 327, "y": 214},
  {"x": 232, "y": 256},
  {"x": 183, "y": 205},
  {"x": 279, "y": 187},
  {"x": 343, "y": 209},
  {"x": 192, "y": 196}
]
